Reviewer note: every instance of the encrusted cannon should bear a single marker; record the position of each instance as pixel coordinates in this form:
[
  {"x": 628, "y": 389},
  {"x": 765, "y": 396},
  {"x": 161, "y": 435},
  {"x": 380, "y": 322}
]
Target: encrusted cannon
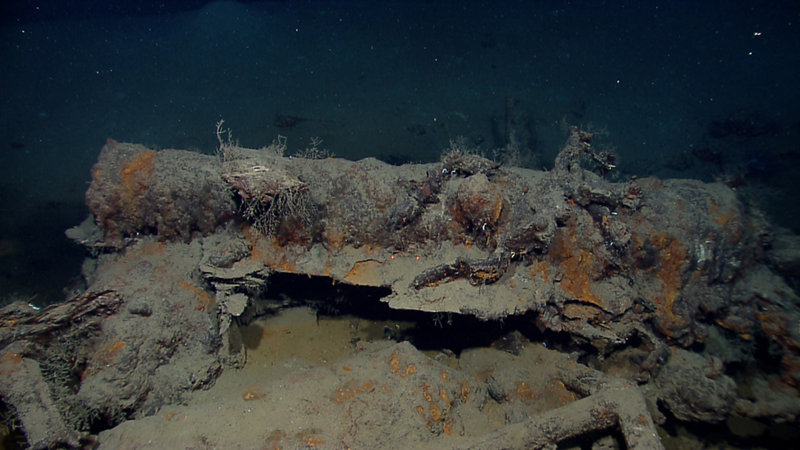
[
  {"x": 665, "y": 263},
  {"x": 667, "y": 283}
]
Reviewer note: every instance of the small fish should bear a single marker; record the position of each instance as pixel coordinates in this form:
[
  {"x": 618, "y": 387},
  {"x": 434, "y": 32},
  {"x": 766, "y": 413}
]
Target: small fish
[{"x": 287, "y": 122}]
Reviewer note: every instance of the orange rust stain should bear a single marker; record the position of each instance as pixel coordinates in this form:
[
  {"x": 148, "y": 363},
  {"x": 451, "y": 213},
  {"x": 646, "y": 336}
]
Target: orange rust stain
[
  {"x": 287, "y": 266},
  {"x": 96, "y": 174},
  {"x": 562, "y": 395},
  {"x": 350, "y": 390},
  {"x": 718, "y": 216},
  {"x": 152, "y": 248},
  {"x": 327, "y": 271},
  {"x": 465, "y": 389},
  {"x": 11, "y": 357},
  {"x": 426, "y": 391},
  {"x": 9, "y": 363},
  {"x": 136, "y": 177},
  {"x": 334, "y": 238},
  {"x": 274, "y": 440},
  {"x": 138, "y": 171},
  {"x": 577, "y": 277},
  {"x": 791, "y": 367},
  {"x": 397, "y": 367},
  {"x": 490, "y": 207},
  {"x": 370, "y": 249},
  {"x": 444, "y": 397},
  {"x": 436, "y": 413},
  {"x": 778, "y": 384},
  {"x": 673, "y": 255},
  {"x": 448, "y": 426},
  {"x": 115, "y": 349},
  {"x": 253, "y": 392},
  {"x": 310, "y": 441},
  {"x": 577, "y": 264},
  {"x": 444, "y": 376},
  {"x": 346, "y": 368},
  {"x": 87, "y": 372},
  {"x": 106, "y": 354},
  {"x": 251, "y": 235},
  {"x": 254, "y": 238},
  {"x": 497, "y": 209},
  {"x": 394, "y": 362},
  {"x": 268, "y": 251},
  {"x": 774, "y": 324},
  {"x": 169, "y": 416},
  {"x": 205, "y": 299},
  {"x": 274, "y": 251},
  {"x": 364, "y": 272},
  {"x": 541, "y": 268},
  {"x": 524, "y": 391},
  {"x": 743, "y": 328}
]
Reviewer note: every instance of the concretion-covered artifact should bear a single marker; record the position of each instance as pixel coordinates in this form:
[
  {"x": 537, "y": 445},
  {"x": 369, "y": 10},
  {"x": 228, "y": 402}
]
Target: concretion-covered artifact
[{"x": 672, "y": 285}]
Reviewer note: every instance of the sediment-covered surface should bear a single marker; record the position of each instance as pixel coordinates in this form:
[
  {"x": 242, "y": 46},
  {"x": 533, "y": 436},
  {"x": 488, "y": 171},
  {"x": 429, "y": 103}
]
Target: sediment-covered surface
[{"x": 672, "y": 290}]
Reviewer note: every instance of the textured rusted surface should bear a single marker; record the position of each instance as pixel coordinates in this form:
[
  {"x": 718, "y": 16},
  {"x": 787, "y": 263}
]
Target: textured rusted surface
[
  {"x": 173, "y": 193},
  {"x": 640, "y": 269}
]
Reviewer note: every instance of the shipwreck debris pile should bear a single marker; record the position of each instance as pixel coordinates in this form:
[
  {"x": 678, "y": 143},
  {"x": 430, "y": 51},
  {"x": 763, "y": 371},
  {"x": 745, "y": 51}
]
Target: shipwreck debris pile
[{"x": 673, "y": 286}]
